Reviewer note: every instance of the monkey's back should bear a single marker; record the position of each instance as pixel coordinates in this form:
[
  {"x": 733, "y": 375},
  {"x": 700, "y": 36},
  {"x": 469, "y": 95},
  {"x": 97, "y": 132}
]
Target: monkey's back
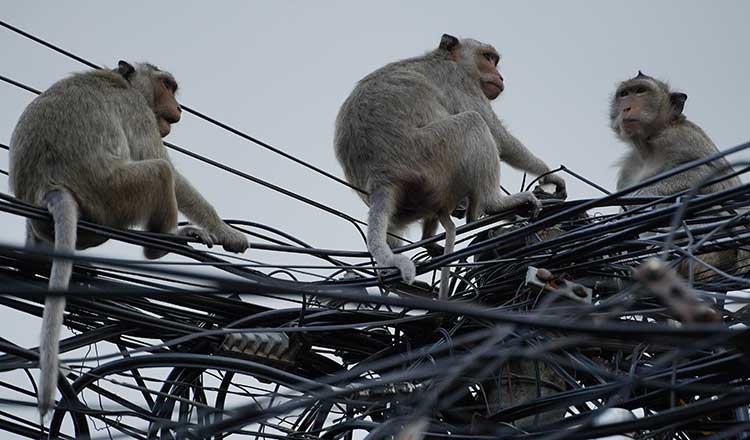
[
  {"x": 73, "y": 134},
  {"x": 375, "y": 126}
]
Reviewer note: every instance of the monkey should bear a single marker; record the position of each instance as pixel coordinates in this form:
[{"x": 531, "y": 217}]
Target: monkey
[
  {"x": 89, "y": 147},
  {"x": 647, "y": 115},
  {"x": 419, "y": 135}
]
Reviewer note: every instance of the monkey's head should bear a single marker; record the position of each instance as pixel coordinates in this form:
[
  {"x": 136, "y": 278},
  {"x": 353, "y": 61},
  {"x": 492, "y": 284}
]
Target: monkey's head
[
  {"x": 477, "y": 58},
  {"x": 641, "y": 106},
  {"x": 159, "y": 89}
]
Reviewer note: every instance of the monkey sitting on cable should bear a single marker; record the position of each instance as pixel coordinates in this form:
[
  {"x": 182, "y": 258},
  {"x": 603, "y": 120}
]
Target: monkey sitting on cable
[
  {"x": 419, "y": 135},
  {"x": 90, "y": 148},
  {"x": 648, "y": 116}
]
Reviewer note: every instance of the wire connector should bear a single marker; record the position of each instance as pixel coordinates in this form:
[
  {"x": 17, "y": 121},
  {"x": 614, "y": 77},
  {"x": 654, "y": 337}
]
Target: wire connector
[
  {"x": 544, "y": 279},
  {"x": 270, "y": 345}
]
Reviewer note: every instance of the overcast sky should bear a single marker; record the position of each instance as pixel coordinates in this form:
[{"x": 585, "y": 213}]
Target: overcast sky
[{"x": 280, "y": 70}]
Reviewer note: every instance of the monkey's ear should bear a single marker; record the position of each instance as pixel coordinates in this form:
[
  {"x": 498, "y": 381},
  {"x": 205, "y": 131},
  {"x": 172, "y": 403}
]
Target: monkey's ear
[
  {"x": 125, "y": 69},
  {"x": 678, "y": 101},
  {"x": 448, "y": 42}
]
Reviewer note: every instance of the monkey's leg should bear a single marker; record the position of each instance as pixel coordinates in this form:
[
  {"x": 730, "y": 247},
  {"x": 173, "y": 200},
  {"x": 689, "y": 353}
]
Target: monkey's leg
[
  {"x": 382, "y": 206},
  {"x": 466, "y": 140},
  {"x": 473, "y": 209},
  {"x": 143, "y": 193},
  {"x": 488, "y": 198},
  {"x": 450, "y": 243},
  {"x": 429, "y": 228},
  {"x": 64, "y": 210}
]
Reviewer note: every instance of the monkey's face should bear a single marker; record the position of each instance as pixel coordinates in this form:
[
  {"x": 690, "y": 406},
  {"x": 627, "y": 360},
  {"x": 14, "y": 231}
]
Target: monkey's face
[
  {"x": 166, "y": 108},
  {"x": 642, "y": 106},
  {"x": 490, "y": 80},
  {"x": 634, "y": 108},
  {"x": 485, "y": 59},
  {"x": 480, "y": 60}
]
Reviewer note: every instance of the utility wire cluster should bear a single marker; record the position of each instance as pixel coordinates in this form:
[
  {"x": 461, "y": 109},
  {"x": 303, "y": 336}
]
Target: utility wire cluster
[{"x": 613, "y": 305}]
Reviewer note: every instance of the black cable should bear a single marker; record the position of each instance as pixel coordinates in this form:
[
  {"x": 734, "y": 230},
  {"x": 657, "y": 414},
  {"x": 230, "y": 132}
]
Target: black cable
[{"x": 193, "y": 112}]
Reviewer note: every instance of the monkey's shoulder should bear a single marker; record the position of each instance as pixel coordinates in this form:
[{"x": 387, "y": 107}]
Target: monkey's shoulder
[
  {"x": 93, "y": 81},
  {"x": 685, "y": 140},
  {"x": 92, "y": 93},
  {"x": 398, "y": 75}
]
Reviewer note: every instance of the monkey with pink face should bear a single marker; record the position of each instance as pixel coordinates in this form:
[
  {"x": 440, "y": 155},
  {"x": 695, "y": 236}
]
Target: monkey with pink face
[{"x": 420, "y": 136}]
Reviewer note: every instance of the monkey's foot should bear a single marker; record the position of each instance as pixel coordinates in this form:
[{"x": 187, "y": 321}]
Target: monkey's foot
[
  {"x": 193, "y": 231},
  {"x": 405, "y": 266}
]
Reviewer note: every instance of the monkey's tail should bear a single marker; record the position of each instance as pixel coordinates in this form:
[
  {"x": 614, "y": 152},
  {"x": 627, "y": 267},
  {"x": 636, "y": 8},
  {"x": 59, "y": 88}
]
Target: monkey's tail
[
  {"x": 450, "y": 244},
  {"x": 382, "y": 205},
  {"x": 64, "y": 210}
]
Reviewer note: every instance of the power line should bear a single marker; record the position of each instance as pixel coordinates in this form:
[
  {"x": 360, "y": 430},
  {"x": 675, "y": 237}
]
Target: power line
[
  {"x": 232, "y": 170},
  {"x": 194, "y": 112}
]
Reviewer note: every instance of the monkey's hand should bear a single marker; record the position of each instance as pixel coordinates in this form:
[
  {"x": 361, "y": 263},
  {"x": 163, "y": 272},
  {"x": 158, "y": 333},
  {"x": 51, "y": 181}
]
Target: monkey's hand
[
  {"x": 528, "y": 201},
  {"x": 231, "y": 239},
  {"x": 560, "y": 191},
  {"x": 193, "y": 231}
]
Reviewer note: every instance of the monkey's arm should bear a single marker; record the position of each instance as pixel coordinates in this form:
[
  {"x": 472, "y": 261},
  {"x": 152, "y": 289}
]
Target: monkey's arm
[
  {"x": 197, "y": 209},
  {"x": 515, "y": 154}
]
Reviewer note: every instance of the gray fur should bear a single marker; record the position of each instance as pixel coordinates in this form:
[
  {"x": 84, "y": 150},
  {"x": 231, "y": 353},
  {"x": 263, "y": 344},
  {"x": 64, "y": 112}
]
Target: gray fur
[
  {"x": 421, "y": 136},
  {"x": 90, "y": 147},
  {"x": 64, "y": 210},
  {"x": 664, "y": 139}
]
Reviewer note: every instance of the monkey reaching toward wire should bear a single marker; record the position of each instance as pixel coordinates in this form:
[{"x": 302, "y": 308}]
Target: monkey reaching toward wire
[
  {"x": 90, "y": 148},
  {"x": 647, "y": 115},
  {"x": 420, "y": 136}
]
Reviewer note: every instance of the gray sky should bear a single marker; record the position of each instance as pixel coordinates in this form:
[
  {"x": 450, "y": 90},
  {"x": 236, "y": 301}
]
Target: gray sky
[{"x": 280, "y": 70}]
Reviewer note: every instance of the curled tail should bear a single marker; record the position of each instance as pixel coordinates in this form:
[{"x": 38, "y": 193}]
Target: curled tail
[
  {"x": 382, "y": 205},
  {"x": 64, "y": 210},
  {"x": 450, "y": 244}
]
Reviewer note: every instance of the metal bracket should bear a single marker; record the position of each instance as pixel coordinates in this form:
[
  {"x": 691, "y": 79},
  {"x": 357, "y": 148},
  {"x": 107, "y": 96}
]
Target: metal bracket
[{"x": 544, "y": 279}]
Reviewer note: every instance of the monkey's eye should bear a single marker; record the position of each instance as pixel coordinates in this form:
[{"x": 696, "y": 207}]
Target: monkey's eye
[
  {"x": 622, "y": 93},
  {"x": 171, "y": 85},
  {"x": 489, "y": 56}
]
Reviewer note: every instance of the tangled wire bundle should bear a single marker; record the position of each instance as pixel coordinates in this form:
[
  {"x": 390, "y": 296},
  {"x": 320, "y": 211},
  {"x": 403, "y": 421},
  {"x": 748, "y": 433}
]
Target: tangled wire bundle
[
  {"x": 545, "y": 335},
  {"x": 619, "y": 316}
]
